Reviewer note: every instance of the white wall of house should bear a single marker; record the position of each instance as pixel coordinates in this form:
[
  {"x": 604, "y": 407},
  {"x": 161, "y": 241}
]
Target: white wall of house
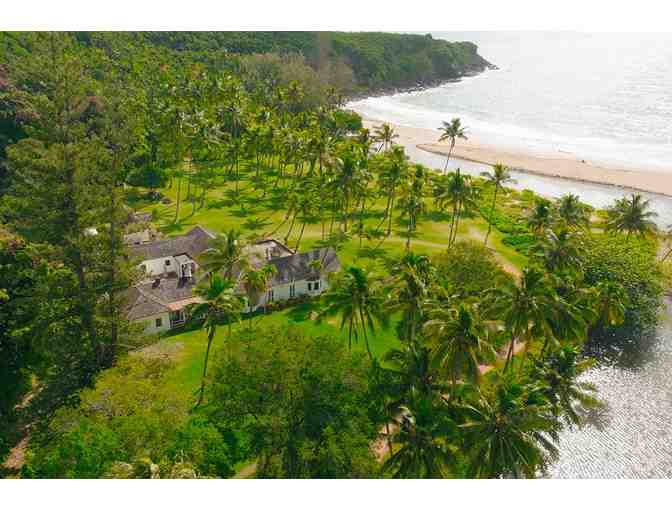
[
  {"x": 157, "y": 267},
  {"x": 151, "y": 323},
  {"x": 284, "y": 292}
]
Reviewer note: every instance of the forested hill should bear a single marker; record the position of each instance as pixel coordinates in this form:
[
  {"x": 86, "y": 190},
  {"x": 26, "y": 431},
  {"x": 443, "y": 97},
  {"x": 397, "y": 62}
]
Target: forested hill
[{"x": 379, "y": 60}]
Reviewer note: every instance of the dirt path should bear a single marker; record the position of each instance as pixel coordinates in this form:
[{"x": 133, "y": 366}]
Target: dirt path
[{"x": 17, "y": 455}]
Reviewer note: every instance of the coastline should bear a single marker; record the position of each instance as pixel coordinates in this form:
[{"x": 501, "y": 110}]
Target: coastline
[{"x": 557, "y": 166}]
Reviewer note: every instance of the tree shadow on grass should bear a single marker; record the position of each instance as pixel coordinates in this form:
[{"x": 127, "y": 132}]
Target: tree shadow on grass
[
  {"x": 178, "y": 226},
  {"x": 303, "y": 312},
  {"x": 372, "y": 252},
  {"x": 256, "y": 223}
]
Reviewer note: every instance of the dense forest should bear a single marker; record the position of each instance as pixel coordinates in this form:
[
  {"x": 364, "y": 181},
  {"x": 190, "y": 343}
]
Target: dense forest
[{"x": 451, "y": 343}]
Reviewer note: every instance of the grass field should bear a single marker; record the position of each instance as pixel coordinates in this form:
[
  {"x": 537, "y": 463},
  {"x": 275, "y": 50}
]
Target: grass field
[{"x": 245, "y": 210}]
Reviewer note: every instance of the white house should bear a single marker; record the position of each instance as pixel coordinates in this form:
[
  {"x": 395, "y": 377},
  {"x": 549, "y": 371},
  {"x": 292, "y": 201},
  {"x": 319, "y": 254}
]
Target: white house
[
  {"x": 171, "y": 270},
  {"x": 173, "y": 256},
  {"x": 300, "y": 274}
]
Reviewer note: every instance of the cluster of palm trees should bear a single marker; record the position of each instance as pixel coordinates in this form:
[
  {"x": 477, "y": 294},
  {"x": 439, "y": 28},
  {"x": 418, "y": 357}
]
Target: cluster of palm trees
[{"x": 445, "y": 417}]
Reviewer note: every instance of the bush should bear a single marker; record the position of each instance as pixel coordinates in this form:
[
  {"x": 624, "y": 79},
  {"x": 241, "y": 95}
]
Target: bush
[
  {"x": 520, "y": 242},
  {"x": 631, "y": 263},
  {"x": 468, "y": 268}
]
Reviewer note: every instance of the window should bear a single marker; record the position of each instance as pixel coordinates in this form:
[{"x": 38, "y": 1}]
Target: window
[
  {"x": 316, "y": 285},
  {"x": 310, "y": 286},
  {"x": 270, "y": 295},
  {"x": 292, "y": 290},
  {"x": 167, "y": 262},
  {"x": 158, "y": 322}
]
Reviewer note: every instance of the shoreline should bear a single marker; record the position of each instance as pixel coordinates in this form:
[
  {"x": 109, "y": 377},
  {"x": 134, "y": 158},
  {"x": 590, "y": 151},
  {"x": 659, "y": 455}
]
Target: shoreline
[{"x": 553, "y": 166}]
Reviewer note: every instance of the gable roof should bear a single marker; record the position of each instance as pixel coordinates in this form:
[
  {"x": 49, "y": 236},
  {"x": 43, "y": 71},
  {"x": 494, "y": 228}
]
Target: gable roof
[
  {"x": 297, "y": 267},
  {"x": 160, "y": 296},
  {"x": 193, "y": 243}
]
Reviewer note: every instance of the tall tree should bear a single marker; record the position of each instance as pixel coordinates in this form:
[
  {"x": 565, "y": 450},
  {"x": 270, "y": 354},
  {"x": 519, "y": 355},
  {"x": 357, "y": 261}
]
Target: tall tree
[
  {"x": 357, "y": 298},
  {"x": 386, "y": 135},
  {"x": 220, "y": 306},
  {"x": 452, "y": 131},
  {"x": 497, "y": 179}
]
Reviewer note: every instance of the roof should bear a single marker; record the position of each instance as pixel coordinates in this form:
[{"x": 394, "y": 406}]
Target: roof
[
  {"x": 160, "y": 296},
  {"x": 265, "y": 249},
  {"x": 141, "y": 237},
  {"x": 193, "y": 243},
  {"x": 297, "y": 267}
]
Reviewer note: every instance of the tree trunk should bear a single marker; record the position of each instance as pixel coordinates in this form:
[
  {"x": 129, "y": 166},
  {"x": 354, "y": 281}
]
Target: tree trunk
[
  {"x": 492, "y": 211},
  {"x": 211, "y": 335},
  {"x": 177, "y": 200}
]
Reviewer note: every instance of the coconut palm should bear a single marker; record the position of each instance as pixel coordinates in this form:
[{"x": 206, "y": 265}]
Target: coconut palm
[
  {"x": 631, "y": 215},
  {"x": 541, "y": 217},
  {"x": 457, "y": 191},
  {"x": 461, "y": 341},
  {"x": 386, "y": 135},
  {"x": 393, "y": 171},
  {"x": 256, "y": 282},
  {"x": 559, "y": 250},
  {"x": 413, "y": 276},
  {"x": 497, "y": 179},
  {"x": 224, "y": 252},
  {"x": 220, "y": 306},
  {"x": 572, "y": 211},
  {"x": 357, "y": 298},
  {"x": 412, "y": 205},
  {"x": 510, "y": 432},
  {"x": 527, "y": 309},
  {"x": 424, "y": 433},
  {"x": 569, "y": 396},
  {"x": 452, "y": 131},
  {"x": 610, "y": 304}
]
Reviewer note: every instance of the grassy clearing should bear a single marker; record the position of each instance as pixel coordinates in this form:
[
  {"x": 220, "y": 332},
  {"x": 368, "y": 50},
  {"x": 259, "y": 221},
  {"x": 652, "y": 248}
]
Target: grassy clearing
[{"x": 258, "y": 215}]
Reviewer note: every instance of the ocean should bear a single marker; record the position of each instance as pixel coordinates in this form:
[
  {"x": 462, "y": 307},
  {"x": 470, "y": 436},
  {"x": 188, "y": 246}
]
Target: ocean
[{"x": 605, "y": 98}]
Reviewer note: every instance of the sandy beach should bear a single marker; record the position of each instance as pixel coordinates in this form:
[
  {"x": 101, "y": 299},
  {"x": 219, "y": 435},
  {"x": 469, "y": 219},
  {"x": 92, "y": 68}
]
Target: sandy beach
[{"x": 559, "y": 166}]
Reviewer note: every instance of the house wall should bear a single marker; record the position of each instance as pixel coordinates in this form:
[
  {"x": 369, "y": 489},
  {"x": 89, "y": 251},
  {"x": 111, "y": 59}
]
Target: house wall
[
  {"x": 155, "y": 267},
  {"x": 150, "y": 323},
  {"x": 282, "y": 292}
]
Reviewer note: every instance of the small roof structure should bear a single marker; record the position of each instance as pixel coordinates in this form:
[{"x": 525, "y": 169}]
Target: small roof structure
[
  {"x": 193, "y": 243},
  {"x": 300, "y": 266},
  {"x": 159, "y": 296}
]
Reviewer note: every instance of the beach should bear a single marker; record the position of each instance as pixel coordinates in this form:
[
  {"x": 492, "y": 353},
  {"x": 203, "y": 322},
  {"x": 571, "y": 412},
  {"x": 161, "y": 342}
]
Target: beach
[{"x": 560, "y": 165}]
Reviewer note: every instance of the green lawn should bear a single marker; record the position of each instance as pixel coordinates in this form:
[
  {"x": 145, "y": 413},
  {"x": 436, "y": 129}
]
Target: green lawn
[{"x": 246, "y": 211}]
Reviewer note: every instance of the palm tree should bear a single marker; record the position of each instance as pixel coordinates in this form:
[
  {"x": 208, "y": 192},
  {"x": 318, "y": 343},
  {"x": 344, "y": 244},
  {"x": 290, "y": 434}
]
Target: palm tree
[
  {"x": 356, "y": 297},
  {"x": 559, "y": 250},
  {"x": 220, "y": 305},
  {"x": 412, "y": 205},
  {"x": 541, "y": 217},
  {"x": 510, "y": 433},
  {"x": 528, "y": 309},
  {"x": 224, "y": 252},
  {"x": 461, "y": 342},
  {"x": 393, "y": 171},
  {"x": 497, "y": 179},
  {"x": 456, "y": 190},
  {"x": 572, "y": 211},
  {"x": 569, "y": 396},
  {"x": 610, "y": 304},
  {"x": 386, "y": 135},
  {"x": 452, "y": 131},
  {"x": 256, "y": 282},
  {"x": 631, "y": 215},
  {"x": 413, "y": 276},
  {"x": 424, "y": 435}
]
